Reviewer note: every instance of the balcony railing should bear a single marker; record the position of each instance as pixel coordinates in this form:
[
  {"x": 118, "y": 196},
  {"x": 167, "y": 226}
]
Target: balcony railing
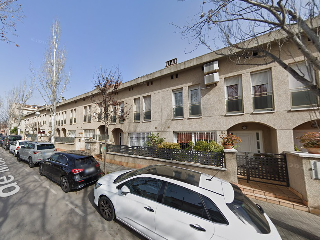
[
  {"x": 234, "y": 105},
  {"x": 303, "y": 98},
  {"x": 64, "y": 139},
  {"x": 147, "y": 116},
  {"x": 205, "y": 158},
  {"x": 178, "y": 112},
  {"x": 263, "y": 102}
]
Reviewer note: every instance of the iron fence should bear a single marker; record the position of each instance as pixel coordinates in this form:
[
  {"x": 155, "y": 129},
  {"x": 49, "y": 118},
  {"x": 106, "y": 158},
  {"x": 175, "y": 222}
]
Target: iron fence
[
  {"x": 64, "y": 139},
  {"x": 205, "y": 158},
  {"x": 266, "y": 166}
]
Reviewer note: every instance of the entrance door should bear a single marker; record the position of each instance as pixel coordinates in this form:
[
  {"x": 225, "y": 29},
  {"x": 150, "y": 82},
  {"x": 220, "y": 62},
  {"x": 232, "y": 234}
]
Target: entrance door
[{"x": 251, "y": 141}]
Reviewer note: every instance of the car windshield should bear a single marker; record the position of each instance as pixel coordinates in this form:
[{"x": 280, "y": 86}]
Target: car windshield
[
  {"x": 45, "y": 146},
  {"x": 14, "y": 138},
  {"x": 83, "y": 162},
  {"x": 22, "y": 143},
  {"x": 248, "y": 212}
]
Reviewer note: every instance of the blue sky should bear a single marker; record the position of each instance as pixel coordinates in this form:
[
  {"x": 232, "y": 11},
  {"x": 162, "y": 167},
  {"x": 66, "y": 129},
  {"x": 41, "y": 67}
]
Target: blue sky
[{"x": 137, "y": 36}]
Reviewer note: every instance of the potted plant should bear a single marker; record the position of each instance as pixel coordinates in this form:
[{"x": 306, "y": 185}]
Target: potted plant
[
  {"x": 311, "y": 142},
  {"x": 229, "y": 140}
]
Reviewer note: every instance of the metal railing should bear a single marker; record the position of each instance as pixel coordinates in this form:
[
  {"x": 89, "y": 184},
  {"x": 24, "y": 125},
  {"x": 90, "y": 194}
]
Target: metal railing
[
  {"x": 64, "y": 139},
  {"x": 205, "y": 158}
]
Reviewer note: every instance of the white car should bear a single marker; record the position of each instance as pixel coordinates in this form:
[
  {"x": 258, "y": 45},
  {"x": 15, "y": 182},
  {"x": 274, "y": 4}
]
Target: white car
[
  {"x": 165, "y": 202},
  {"x": 16, "y": 146}
]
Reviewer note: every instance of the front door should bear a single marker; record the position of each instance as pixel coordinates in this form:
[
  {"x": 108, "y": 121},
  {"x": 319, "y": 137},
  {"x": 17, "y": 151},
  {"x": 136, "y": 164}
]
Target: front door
[{"x": 251, "y": 141}]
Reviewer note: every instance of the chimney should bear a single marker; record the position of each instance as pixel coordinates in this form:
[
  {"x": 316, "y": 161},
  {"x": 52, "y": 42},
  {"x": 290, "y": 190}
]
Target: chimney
[{"x": 171, "y": 62}]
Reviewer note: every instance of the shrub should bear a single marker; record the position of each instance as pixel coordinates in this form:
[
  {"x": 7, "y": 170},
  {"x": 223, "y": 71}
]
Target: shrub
[
  {"x": 168, "y": 145},
  {"x": 154, "y": 140},
  {"x": 310, "y": 140},
  {"x": 204, "y": 146}
]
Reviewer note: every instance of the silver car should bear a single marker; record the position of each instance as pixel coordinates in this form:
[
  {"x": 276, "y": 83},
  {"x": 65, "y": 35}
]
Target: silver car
[{"x": 34, "y": 152}]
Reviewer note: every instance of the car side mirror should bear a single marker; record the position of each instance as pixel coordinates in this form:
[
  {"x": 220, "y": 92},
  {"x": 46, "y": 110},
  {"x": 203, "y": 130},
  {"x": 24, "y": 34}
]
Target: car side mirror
[{"x": 124, "y": 190}]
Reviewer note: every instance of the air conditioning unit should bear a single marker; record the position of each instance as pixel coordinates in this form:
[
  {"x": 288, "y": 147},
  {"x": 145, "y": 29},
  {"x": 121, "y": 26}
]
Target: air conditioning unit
[
  {"x": 211, "y": 78},
  {"x": 211, "y": 67}
]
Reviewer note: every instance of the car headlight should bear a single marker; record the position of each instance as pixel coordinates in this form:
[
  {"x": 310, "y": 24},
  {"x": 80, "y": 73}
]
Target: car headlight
[{"x": 97, "y": 185}]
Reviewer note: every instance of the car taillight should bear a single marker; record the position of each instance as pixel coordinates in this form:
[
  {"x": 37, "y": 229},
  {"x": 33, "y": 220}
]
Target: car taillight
[
  {"x": 35, "y": 152},
  {"x": 55, "y": 150},
  {"x": 18, "y": 148},
  {"x": 98, "y": 165},
  {"x": 75, "y": 171},
  {"x": 7, "y": 141}
]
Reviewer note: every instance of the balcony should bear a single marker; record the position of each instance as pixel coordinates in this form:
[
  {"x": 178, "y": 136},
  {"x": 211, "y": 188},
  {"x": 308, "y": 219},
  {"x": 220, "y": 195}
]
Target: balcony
[
  {"x": 234, "y": 105},
  {"x": 147, "y": 116},
  {"x": 263, "y": 102},
  {"x": 178, "y": 112},
  {"x": 303, "y": 98}
]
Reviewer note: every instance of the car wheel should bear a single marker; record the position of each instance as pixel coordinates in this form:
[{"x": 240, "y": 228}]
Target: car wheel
[
  {"x": 41, "y": 170},
  {"x": 65, "y": 186},
  {"x": 18, "y": 157},
  {"x": 31, "y": 164},
  {"x": 106, "y": 208}
]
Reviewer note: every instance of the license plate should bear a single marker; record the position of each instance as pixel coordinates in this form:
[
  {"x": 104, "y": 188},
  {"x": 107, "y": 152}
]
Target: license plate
[{"x": 90, "y": 170}]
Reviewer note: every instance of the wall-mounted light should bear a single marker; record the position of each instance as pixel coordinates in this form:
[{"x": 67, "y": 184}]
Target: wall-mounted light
[{"x": 244, "y": 127}]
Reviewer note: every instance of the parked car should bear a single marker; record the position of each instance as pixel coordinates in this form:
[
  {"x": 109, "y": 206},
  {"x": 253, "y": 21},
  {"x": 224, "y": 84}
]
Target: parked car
[
  {"x": 16, "y": 145},
  {"x": 1, "y": 140},
  {"x": 70, "y": 170},
  {"x": 165, "y": 202},
  {"x": 34, "y": 152},
  {"x": 9, "y": 140}
]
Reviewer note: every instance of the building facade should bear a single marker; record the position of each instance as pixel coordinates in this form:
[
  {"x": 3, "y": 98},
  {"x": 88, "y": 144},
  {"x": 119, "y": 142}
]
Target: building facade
[{"x": 199, "y": 99}]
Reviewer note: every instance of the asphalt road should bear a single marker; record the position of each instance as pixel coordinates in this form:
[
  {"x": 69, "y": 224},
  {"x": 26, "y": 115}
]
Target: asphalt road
[{"x": 39, "y": 209}]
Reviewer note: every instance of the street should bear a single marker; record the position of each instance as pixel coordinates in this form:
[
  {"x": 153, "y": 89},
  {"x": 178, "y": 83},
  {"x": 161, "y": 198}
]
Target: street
[
  {"x": 41, "y": 210},
  {"x": 33, "y": 207}
]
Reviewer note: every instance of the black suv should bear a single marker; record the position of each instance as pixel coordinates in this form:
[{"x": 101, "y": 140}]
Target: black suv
[
  {"x": 9, "y": 140},
  {"x": 71, "y": 170}
]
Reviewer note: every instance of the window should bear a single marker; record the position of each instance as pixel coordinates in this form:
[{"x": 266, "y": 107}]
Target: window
[
  {"x": 177, "y": 104},
  {"x": 138, "y": 139},
  {"x": 136, "y": 109},
  {"x": 74, "y": 116},
  {"x": 262, "y": 91},
  {"x": 147, "y": 108},
  {"x": 185, "y": 137},
  {"x": 145, "y": 187},
  {"x": 233, "y": 94},
  {"x": 213, "y": 211},
  {"x": 89, "y": 114},
  {"x": 88, "y": 133},
  {"x": 185, "y": 200},
  {"x": 62, "y": 159},
  {"x": 65, "y": 117},
  {"x": 301, "y": 96},
  {"x": 85, "y": 112},
  {"x": 195, "y": 102},
  {"x": 114, "y": 114},
  {"x": 71, "y": 116},
  {"x": 72, "y": 133},
  {"x": 121, "y": 118}
]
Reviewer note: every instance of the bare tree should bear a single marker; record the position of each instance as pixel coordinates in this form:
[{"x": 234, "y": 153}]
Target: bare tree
[
  {"x": 251, "y": 28},
  {"x": 52, "y": 79},
  {"x": 108, "y": 107},
  {"x": 10, "y": 13}
]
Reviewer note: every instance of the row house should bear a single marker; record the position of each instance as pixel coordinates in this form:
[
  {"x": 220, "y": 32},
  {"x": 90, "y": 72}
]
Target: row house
[{"x": 201, "y": 99}]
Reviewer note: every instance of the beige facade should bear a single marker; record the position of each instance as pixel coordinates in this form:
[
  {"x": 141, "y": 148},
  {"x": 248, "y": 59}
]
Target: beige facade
[{"x": 260, "y": 103}]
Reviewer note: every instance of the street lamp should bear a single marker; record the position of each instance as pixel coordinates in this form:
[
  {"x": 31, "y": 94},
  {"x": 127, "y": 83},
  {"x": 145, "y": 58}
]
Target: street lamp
[{"x": 37, "y": 114}]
